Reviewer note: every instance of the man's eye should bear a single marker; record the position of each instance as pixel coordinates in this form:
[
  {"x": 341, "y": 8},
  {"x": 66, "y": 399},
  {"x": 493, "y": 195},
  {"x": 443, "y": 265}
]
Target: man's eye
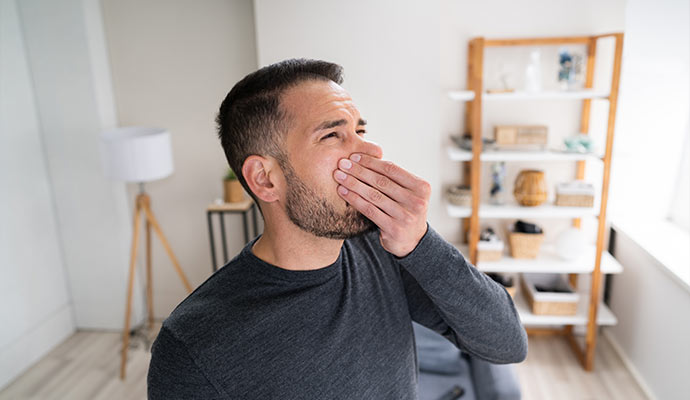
[
  {"x": 362, "y": 132},
  {"x": 332, "y": 134}
]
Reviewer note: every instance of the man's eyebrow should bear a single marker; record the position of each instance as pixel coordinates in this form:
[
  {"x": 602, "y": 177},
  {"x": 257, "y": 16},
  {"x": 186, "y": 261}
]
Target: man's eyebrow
[{"x": 332, "y": 124}]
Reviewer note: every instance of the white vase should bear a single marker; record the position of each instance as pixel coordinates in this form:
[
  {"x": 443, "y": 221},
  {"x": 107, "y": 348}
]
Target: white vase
[{"x": 533, "y": 73}]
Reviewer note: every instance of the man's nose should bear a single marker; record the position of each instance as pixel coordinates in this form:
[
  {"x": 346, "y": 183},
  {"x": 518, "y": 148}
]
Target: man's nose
[{"x": 367, "y": 147}]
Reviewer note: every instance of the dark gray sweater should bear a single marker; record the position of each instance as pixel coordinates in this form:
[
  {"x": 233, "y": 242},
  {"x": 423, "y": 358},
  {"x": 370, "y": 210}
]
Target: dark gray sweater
[{"x": 257, "y": 331}]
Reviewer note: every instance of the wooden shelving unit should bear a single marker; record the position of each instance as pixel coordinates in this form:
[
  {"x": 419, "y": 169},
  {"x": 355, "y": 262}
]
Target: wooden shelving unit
[
  {"x": 596, "y": 260},
  {"x": 466, "y": 95},
  {"x": 516, "y": 211},
  {"x": 549, "y": 262},
  {"x": 458, "y": 154}
]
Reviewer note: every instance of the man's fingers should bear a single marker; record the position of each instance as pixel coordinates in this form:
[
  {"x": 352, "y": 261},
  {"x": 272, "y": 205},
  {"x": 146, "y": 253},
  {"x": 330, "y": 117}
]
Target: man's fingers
[
  {"x": 378, "y": 217},
  {"x": 372, "y": 195},
  {"x": 380, "y": 182},
  {"x": 394, "y": 172}
]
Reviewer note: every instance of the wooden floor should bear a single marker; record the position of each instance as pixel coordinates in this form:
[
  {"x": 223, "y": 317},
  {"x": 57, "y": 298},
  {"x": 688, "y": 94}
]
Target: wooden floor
[
  {"x": 86, "y": 366},
  {"x": 551, "y": 371}
]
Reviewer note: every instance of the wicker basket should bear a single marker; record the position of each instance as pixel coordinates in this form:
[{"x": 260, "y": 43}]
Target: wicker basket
[
  {"x": 489, "y": 255},
  {"x": 549, "y": 303},
  {"x": 520, "y": 135},
  {"x": 575, "y": 194},
  {"x": 524, "y": 245},
  {"x": 489, "y": 251},
  {"x": 574, "y": 200},
  {"x": 459, "y": 195}
]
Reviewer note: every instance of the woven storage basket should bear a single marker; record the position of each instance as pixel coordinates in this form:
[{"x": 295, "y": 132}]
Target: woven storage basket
[
  {"x": 459, "y": 195},
  {"x": 574, "y": 200},
  {"x": 575, "y": 194},
  {"x": 524, "y": 245},
  {"x": 489, "y": 251},
  {"x": 489, "y": 255},
  {"x": 520, "y": 134},
  {"x": 549, "y": 303}
]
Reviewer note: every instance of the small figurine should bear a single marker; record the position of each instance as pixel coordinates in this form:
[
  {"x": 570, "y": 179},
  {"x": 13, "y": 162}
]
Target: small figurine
[
  {"x": 498, "y": 173},
  {"x": 579, "y": 143},
  {"x": 571, "y": 71},
  {"x": 488, "y": 235},
  {"x": 566, "y": 72}
]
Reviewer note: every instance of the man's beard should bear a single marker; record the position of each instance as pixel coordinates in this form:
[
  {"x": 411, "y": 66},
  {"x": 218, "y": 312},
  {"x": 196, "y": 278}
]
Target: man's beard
[{"x": 314, "y": 214}]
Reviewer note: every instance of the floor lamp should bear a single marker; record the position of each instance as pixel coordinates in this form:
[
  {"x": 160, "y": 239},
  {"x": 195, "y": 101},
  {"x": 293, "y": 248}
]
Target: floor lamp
[{"x": 137, "y": 154}]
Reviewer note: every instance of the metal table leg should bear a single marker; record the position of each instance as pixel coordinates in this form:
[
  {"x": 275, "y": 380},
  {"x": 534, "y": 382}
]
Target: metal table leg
[
  {"x": 209, "y": 220},
  {"x": 256, "y": 229},
  {"x": 246, "y": 228},
  {"x": 222, "y": 234}
]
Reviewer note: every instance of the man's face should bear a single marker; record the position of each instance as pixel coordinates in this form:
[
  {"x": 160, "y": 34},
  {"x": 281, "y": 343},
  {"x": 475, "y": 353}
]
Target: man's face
[{"x": 324, "y": 126}]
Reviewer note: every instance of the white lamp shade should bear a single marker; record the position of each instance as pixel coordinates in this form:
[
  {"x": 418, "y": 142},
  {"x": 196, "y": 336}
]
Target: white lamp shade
[{"x": 137, "y": 154}]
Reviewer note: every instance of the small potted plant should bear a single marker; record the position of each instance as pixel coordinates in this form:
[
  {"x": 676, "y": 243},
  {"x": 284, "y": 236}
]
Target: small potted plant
[{"x": 233, "y": 192}]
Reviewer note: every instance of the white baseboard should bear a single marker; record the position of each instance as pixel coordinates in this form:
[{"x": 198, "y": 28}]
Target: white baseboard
[
  {"x": 630, "y": 366},
  {"x": 18, "y": 356}
]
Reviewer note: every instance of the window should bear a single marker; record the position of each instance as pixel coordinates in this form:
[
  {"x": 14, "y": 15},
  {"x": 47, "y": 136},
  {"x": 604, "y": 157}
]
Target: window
[{"x": 679, "y": 212}]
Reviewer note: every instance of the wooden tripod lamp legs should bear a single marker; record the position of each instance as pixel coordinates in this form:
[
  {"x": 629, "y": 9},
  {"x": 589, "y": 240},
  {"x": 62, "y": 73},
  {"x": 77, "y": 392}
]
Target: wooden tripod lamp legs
[{"x": 143, "y": 203}]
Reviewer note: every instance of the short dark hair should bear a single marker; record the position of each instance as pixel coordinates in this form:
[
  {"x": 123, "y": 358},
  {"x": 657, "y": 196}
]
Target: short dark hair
[{"x": 251, "y": 119}]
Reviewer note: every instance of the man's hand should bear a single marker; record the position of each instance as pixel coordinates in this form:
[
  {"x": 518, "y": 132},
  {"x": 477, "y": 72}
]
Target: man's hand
[{"x": 389, "y": 196}]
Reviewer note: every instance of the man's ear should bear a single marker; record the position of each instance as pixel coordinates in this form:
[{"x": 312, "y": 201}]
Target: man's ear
[{"x": 262, "y": 174}]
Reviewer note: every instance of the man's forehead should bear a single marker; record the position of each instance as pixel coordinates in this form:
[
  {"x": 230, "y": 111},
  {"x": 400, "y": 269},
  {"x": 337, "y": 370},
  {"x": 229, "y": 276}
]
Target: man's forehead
[{"x": 312, "y": 100}]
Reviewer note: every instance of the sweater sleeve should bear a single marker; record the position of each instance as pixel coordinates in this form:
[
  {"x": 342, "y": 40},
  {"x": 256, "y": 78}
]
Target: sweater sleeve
[
  {"x": 449, "y": 295},
  {"x": 173, "y": 373}
]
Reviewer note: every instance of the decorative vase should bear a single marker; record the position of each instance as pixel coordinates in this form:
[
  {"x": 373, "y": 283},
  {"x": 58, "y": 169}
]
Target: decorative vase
[
  {"x": 533, "y": 73},
  {"x": 530, "y": 188},
  {"x": 234, "y": 192}
]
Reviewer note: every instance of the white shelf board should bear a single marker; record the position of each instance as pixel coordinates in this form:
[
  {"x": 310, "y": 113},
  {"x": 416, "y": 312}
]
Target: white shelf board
[
  {"x": 461, "y": 95},
  {"x": 548, "y": 95},
  {"x": 549, "y": 262},
  {"x": 458, "y": 154},
  {"x": 516, "y": 211},
  {"x": 466, "y": 95},
  {"x": 604, "y": 314}
]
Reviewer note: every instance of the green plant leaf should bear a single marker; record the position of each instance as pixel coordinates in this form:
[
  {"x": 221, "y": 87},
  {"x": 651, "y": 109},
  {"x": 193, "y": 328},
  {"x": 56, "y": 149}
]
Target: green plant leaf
[{"x": 230, "y": 176}]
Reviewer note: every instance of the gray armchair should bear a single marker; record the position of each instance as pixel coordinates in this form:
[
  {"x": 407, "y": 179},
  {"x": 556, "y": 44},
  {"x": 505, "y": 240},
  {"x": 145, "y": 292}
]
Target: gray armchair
[{"x": 442, "y": 366}]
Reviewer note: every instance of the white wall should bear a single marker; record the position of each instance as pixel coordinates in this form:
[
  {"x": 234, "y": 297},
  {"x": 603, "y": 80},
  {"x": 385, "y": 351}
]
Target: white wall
[
  {"x": 391, "y": 58},
  {"x": 65, "y": 228},
  {"x": 653, "y": 310},
  {"x": 94, "y": 224},
  {"x": 172, "y": 63},
  {"x": 35, "y": 308},
  {"x": 651, "y": 303}
]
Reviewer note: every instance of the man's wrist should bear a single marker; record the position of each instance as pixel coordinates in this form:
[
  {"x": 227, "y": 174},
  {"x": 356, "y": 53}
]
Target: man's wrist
[{"x": 421, "y": 238}]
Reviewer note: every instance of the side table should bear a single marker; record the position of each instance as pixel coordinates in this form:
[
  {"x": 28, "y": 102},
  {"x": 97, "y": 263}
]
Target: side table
[{"x": 243, "y": 207}]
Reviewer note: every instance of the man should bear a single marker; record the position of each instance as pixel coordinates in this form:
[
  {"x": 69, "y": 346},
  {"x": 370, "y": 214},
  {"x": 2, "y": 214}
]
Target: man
[{"x": 320, "y": 305}]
